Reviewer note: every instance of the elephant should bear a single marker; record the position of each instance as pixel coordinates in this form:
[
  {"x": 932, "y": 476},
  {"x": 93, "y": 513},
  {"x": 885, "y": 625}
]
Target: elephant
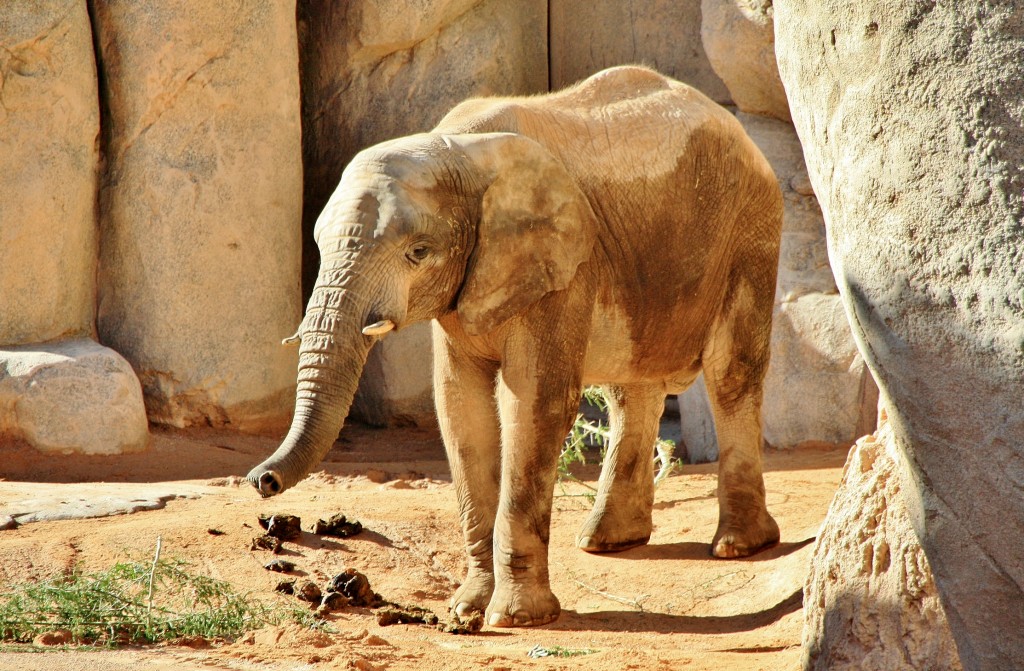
[{"x": 623, "y": 232}]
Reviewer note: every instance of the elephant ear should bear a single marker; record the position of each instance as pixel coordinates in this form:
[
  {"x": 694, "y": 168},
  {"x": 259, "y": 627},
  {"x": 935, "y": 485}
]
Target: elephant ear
[{"x": 536, "y": 227}]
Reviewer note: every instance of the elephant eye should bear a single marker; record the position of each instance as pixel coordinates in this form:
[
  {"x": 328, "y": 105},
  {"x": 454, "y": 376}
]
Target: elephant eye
[{"x": 418, "y": 253}]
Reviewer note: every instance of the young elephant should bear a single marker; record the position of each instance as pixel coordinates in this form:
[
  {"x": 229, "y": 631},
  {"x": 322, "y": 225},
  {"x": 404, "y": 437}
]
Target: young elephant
[{"x": 623, "y": 232}]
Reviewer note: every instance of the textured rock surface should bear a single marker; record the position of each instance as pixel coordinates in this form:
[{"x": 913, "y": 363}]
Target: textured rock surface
[
  {"x": 373, "y": 71},
  {"x": 200, "y": 205},
  {"x": 71, "y": 396},
  {"x": 739, "y": 38},
  {"x": 49, "y": 158},
  {"x": 870, "y": 600},
  {"x": 396, "y": 388},
  {"x": 817, "y": 387},
  {"x": 665, "y": 34},
  {"x": 910, "y": 117},
  {"x": 697, "y": 425},
  {"x": 72, "y": 507}
]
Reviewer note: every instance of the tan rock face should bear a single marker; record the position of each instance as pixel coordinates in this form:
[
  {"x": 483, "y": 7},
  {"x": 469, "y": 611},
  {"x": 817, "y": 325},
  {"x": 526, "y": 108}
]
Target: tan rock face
[
  {"x": 71, "y": 396},
  {"x": 373, "y": 71},
  {"x": 396, "y": 388},
  {"x": 870, "y": 602},
  {"x": 587, "y": 37},
  {"x": 200, "y": 205},
  {"x": 739, "y": 38},
  {"x": 49, "y": 157},
  {"x": 910, "y": 117}
]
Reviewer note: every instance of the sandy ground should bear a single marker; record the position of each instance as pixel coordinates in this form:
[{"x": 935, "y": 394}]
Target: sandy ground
[{"x": 667, "y": 605}]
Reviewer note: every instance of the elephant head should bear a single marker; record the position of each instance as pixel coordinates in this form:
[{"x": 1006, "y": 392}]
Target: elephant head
[{"x": 480, "y": 224}]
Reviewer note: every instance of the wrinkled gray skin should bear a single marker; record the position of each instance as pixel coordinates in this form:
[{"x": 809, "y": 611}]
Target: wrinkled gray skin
[{"x": 623, "y": 232}]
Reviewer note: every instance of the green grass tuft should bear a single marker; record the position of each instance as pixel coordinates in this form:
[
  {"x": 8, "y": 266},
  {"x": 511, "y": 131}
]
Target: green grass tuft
[{"x": 133, "y": 603}]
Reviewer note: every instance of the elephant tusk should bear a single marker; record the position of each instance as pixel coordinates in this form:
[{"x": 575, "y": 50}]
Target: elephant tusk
[
  {"x": 378, "y": 328},
  {"x": 292, "y": 340}
]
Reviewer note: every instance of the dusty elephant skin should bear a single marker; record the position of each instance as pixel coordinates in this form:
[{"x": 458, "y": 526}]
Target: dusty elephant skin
[{"x": 624, "y": 232}]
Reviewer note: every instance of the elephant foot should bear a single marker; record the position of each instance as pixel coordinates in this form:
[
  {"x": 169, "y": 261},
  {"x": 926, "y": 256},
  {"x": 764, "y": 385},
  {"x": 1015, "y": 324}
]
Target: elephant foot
[
  {"x": 732, "y": 541},
  {"x": 522, "y": 605},
  {"x": 605, "y": 532},
  {"x": 473, "y": 595}
]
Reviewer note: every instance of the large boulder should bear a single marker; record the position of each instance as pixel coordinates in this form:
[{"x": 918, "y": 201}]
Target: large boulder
[
  {"x": 587, "y": 37},
  {"x": 49, "y": 160},
  {"x": 910, "y": 119},
  {"x": 817, "y": 388},
  {"x": 739, "y": 38},
  {"x": 71, "y": 396},
  {"x": 870, "y": 600},
  {"x": 200, "y": 205},
  {"x": 373, "y": 71}
]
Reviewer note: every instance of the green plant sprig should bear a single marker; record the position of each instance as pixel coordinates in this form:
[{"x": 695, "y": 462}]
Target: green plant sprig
[{"x": 117, "y": 606}]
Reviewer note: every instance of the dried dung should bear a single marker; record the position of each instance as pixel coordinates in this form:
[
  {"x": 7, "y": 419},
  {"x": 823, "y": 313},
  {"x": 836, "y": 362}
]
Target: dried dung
[
  {"x": 471, "y": 625},
  {"x": 333, "y": 601},
  {"x": 395, "y": 614},
  {"x": 283, "y": 526},
  {"x": 308, "y": 591},
  {"x": 280, "y": 566},
  {"x": 337, "y": 526},
  {"x": 356, "y": 587},
  {"x": 266, "y": 542}
]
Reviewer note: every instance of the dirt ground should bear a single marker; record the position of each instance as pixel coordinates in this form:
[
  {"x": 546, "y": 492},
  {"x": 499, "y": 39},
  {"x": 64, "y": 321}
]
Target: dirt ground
[{"x": 667, "y": 605}]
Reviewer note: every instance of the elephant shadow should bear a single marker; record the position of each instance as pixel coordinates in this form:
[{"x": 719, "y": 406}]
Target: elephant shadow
[
  {"x": 692, "y": 550},
  {"x": 667, "y": 623}
]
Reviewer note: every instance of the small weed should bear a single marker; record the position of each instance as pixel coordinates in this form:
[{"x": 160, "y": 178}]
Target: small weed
[
  {"x": 636, "y": 602},
  {"x": 131, "y": 603},
  {"x": 587, "y": 434},
  {"x": 537, "y": 651}
]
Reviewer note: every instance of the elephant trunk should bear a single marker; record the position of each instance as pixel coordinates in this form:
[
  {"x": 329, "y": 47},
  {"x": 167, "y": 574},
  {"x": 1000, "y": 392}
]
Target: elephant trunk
[{"x": 331, "y": 357}]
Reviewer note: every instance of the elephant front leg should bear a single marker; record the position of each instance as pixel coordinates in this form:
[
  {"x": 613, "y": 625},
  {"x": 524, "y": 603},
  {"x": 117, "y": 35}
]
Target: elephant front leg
[
  {"x": 468, "y": 418},
  {"x": 622, "y": 514},
  {"x": 537, "y": 410}
]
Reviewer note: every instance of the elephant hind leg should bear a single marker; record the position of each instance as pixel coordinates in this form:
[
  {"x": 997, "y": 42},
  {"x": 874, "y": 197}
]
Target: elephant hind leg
[
  {"x": 735, "y": 362},
  {"x": 621, "y": 517}
]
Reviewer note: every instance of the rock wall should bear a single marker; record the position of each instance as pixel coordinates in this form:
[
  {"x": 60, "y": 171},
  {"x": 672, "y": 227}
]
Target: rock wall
[
  {"x": 199, "y": 257},
  {"x": 664, "y": 34},
  {"x": 72, "y": 395},
  {"x": 49, "y": 161},
  {"x": 910, "y": 118},
  {"x": 870, "y": 601},
  {"x": 199, "y": 246},
  {"x": 373, "y": 71},
  {"x": 739, "y": 38}
]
